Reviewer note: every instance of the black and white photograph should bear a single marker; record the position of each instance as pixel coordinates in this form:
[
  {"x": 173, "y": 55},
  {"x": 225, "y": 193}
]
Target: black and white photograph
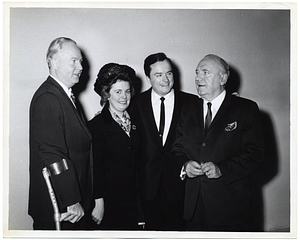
[{"x": 149, "y": 120}]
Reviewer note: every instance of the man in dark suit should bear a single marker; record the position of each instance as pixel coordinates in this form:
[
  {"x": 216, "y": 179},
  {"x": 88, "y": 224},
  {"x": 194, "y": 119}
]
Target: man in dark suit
[
  {"x": 60, "y": 141},
  {"x": 220, "y": 144},
  {"x": 161, "y": 190}
]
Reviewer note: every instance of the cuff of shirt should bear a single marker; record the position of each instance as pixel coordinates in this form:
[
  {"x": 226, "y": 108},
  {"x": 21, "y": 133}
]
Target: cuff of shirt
[{"x": 182, "y": 173}]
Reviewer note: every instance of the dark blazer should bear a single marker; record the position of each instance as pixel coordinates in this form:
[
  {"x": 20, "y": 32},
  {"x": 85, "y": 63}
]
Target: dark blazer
[
  {"x": 156, "y": 162},
  {"x": 234, "y": 142},
  {"x": 115, "y": 155},
  {"x": 57, "y": 132}
]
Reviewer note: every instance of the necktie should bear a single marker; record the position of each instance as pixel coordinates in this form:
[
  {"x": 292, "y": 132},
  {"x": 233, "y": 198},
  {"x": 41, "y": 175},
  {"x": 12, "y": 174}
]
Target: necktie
[
  {"x": 73, "y": 98},
  {"x": 208, "y": 116},
  {"x": 162, "y": 117}
]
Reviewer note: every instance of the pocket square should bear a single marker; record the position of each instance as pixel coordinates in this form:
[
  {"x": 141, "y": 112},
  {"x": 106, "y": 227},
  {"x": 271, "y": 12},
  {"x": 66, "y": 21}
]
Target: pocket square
[{"x": 230, "y": 127}]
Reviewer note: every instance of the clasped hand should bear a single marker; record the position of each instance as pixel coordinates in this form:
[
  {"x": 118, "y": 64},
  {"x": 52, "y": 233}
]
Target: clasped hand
[{"x": 194, "y": 169}]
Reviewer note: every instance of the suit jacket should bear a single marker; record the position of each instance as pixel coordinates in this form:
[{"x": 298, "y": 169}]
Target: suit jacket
[
  {"x": 156, "y": 163},
  {"x": 234, "y": 142},
  {"x": 115, "y": 155},
  {"x": 57, "y": 132}
]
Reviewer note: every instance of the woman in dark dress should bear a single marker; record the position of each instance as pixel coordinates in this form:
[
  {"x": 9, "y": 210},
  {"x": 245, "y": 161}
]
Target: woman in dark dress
[{"x": 115, "y": 149}]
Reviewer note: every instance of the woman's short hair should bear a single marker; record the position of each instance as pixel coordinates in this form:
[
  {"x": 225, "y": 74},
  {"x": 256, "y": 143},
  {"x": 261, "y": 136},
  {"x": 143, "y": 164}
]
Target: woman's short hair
[
  {"x": 108, "y": 75},
  {"x": 57, "y": 45}
]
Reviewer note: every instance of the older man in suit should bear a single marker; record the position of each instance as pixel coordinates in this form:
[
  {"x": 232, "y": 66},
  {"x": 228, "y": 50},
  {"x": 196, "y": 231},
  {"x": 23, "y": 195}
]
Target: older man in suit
[
  {"x": 158, "y": 110},
  {"x": 220, "y": 144},
  {"x": 60, "y": 141}
]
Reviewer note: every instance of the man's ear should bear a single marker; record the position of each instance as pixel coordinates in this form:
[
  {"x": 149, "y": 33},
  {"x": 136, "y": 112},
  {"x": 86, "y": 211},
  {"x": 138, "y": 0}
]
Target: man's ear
[
  {"x": 54, "y": 62},
  {"x": 224, "y": 78}
]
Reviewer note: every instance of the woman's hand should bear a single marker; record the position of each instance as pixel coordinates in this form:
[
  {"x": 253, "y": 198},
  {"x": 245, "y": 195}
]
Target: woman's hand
[{"x": 98, "y": 211}]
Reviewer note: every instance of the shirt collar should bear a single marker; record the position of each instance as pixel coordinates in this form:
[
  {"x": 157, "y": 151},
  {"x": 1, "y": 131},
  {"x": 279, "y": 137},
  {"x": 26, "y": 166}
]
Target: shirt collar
[
  {"x": 64, "y": 87},
  {"x": 115, "y": 116},
  {"x": 216, "y": 103},
  {"x": 155, "y": 97}
]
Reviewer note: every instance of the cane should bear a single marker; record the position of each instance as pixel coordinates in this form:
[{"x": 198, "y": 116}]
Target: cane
[{"x": 46, "y": 175}]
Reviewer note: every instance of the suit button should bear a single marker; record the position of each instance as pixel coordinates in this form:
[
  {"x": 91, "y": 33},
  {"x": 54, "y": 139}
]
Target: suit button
[{"x": 203, "y": 144}]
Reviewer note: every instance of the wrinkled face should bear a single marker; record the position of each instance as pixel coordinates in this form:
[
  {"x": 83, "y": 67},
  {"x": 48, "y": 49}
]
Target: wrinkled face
[
  {"x": 210, "y": 81},
  {"x": 161, "y": 77},
  {"x": 120, "y": 96},
  {"x": 66, "y": 64}
]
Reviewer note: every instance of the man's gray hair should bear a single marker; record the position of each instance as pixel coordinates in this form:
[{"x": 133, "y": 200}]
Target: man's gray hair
[
  {"x": 222, "y": 63},
  {"x": 57, "y": 45}
]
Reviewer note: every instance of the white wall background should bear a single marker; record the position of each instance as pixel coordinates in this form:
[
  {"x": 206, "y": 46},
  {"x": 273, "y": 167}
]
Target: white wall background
[{"x": 256, "y": 43}]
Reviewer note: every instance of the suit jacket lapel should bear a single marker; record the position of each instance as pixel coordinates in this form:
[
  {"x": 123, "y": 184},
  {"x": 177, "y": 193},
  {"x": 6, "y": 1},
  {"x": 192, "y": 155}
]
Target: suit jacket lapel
[
  {"x": 82, "y": 121},
  {"x": 149, "y": 115},
  {"x": 176, "y": 112},
  {"x": 199, "y": 114},
  {"x": 68, "y": 101},
  {"x": 114, "y": 126},
  {"x": 178, "y": 102},
  {"x": 222, "y": 110}
]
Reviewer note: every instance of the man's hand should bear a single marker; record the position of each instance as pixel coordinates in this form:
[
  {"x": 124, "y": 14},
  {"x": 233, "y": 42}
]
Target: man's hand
[
  {"x": 74, "y": 213},
  {"x": 193, "y": 169},
  {"x": 98, "y": 211},
  {"x": 211, "y": 170}
]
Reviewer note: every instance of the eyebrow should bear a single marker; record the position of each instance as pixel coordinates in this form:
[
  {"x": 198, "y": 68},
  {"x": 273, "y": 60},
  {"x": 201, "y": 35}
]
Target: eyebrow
[
  {"x": 162, "y": 72},
  {"x": 77, "y": 58},
  {"x": 156, "y": 73},
  {"x": 117, "y": 89}
]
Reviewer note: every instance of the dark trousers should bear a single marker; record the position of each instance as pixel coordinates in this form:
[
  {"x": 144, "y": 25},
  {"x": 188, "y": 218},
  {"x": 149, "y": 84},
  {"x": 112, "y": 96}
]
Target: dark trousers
[
  {"x": 162, "y": 214},
  {"x": 83, "y": 224},
  {"x": 64, "y": 225},
  {"x": 118, "y": 217},
  {"x": 199, "y": 221}
]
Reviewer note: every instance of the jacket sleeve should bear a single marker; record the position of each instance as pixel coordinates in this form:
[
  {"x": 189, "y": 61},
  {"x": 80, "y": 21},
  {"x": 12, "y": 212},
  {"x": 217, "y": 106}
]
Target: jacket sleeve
[
  {"x": 178, "y": 150},
  {"x": 99, "y": 149},
  {"x": 48, "y": 130}
]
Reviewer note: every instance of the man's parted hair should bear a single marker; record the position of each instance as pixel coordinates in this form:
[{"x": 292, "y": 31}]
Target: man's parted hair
[{"x": 153, "y": 58}]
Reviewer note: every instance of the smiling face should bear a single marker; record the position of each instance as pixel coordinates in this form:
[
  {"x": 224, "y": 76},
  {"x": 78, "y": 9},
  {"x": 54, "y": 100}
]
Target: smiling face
[
  {"x": 66, "y": 64},
  {"x": 120, "y": 96},
  {"x": 210, "y": 79},
  {"x": 161, "y": 77}
]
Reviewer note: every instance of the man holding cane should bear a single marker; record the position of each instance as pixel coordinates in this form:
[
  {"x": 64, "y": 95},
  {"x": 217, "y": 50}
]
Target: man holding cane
[{"x": 60, "y": 141}]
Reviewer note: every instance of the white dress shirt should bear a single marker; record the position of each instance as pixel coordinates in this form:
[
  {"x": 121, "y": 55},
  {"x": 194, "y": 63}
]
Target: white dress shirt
[
  {"x": 169, "y": 107},
  {"x": 68, "y": 91},
  {"x": 215, "y": 105}
]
